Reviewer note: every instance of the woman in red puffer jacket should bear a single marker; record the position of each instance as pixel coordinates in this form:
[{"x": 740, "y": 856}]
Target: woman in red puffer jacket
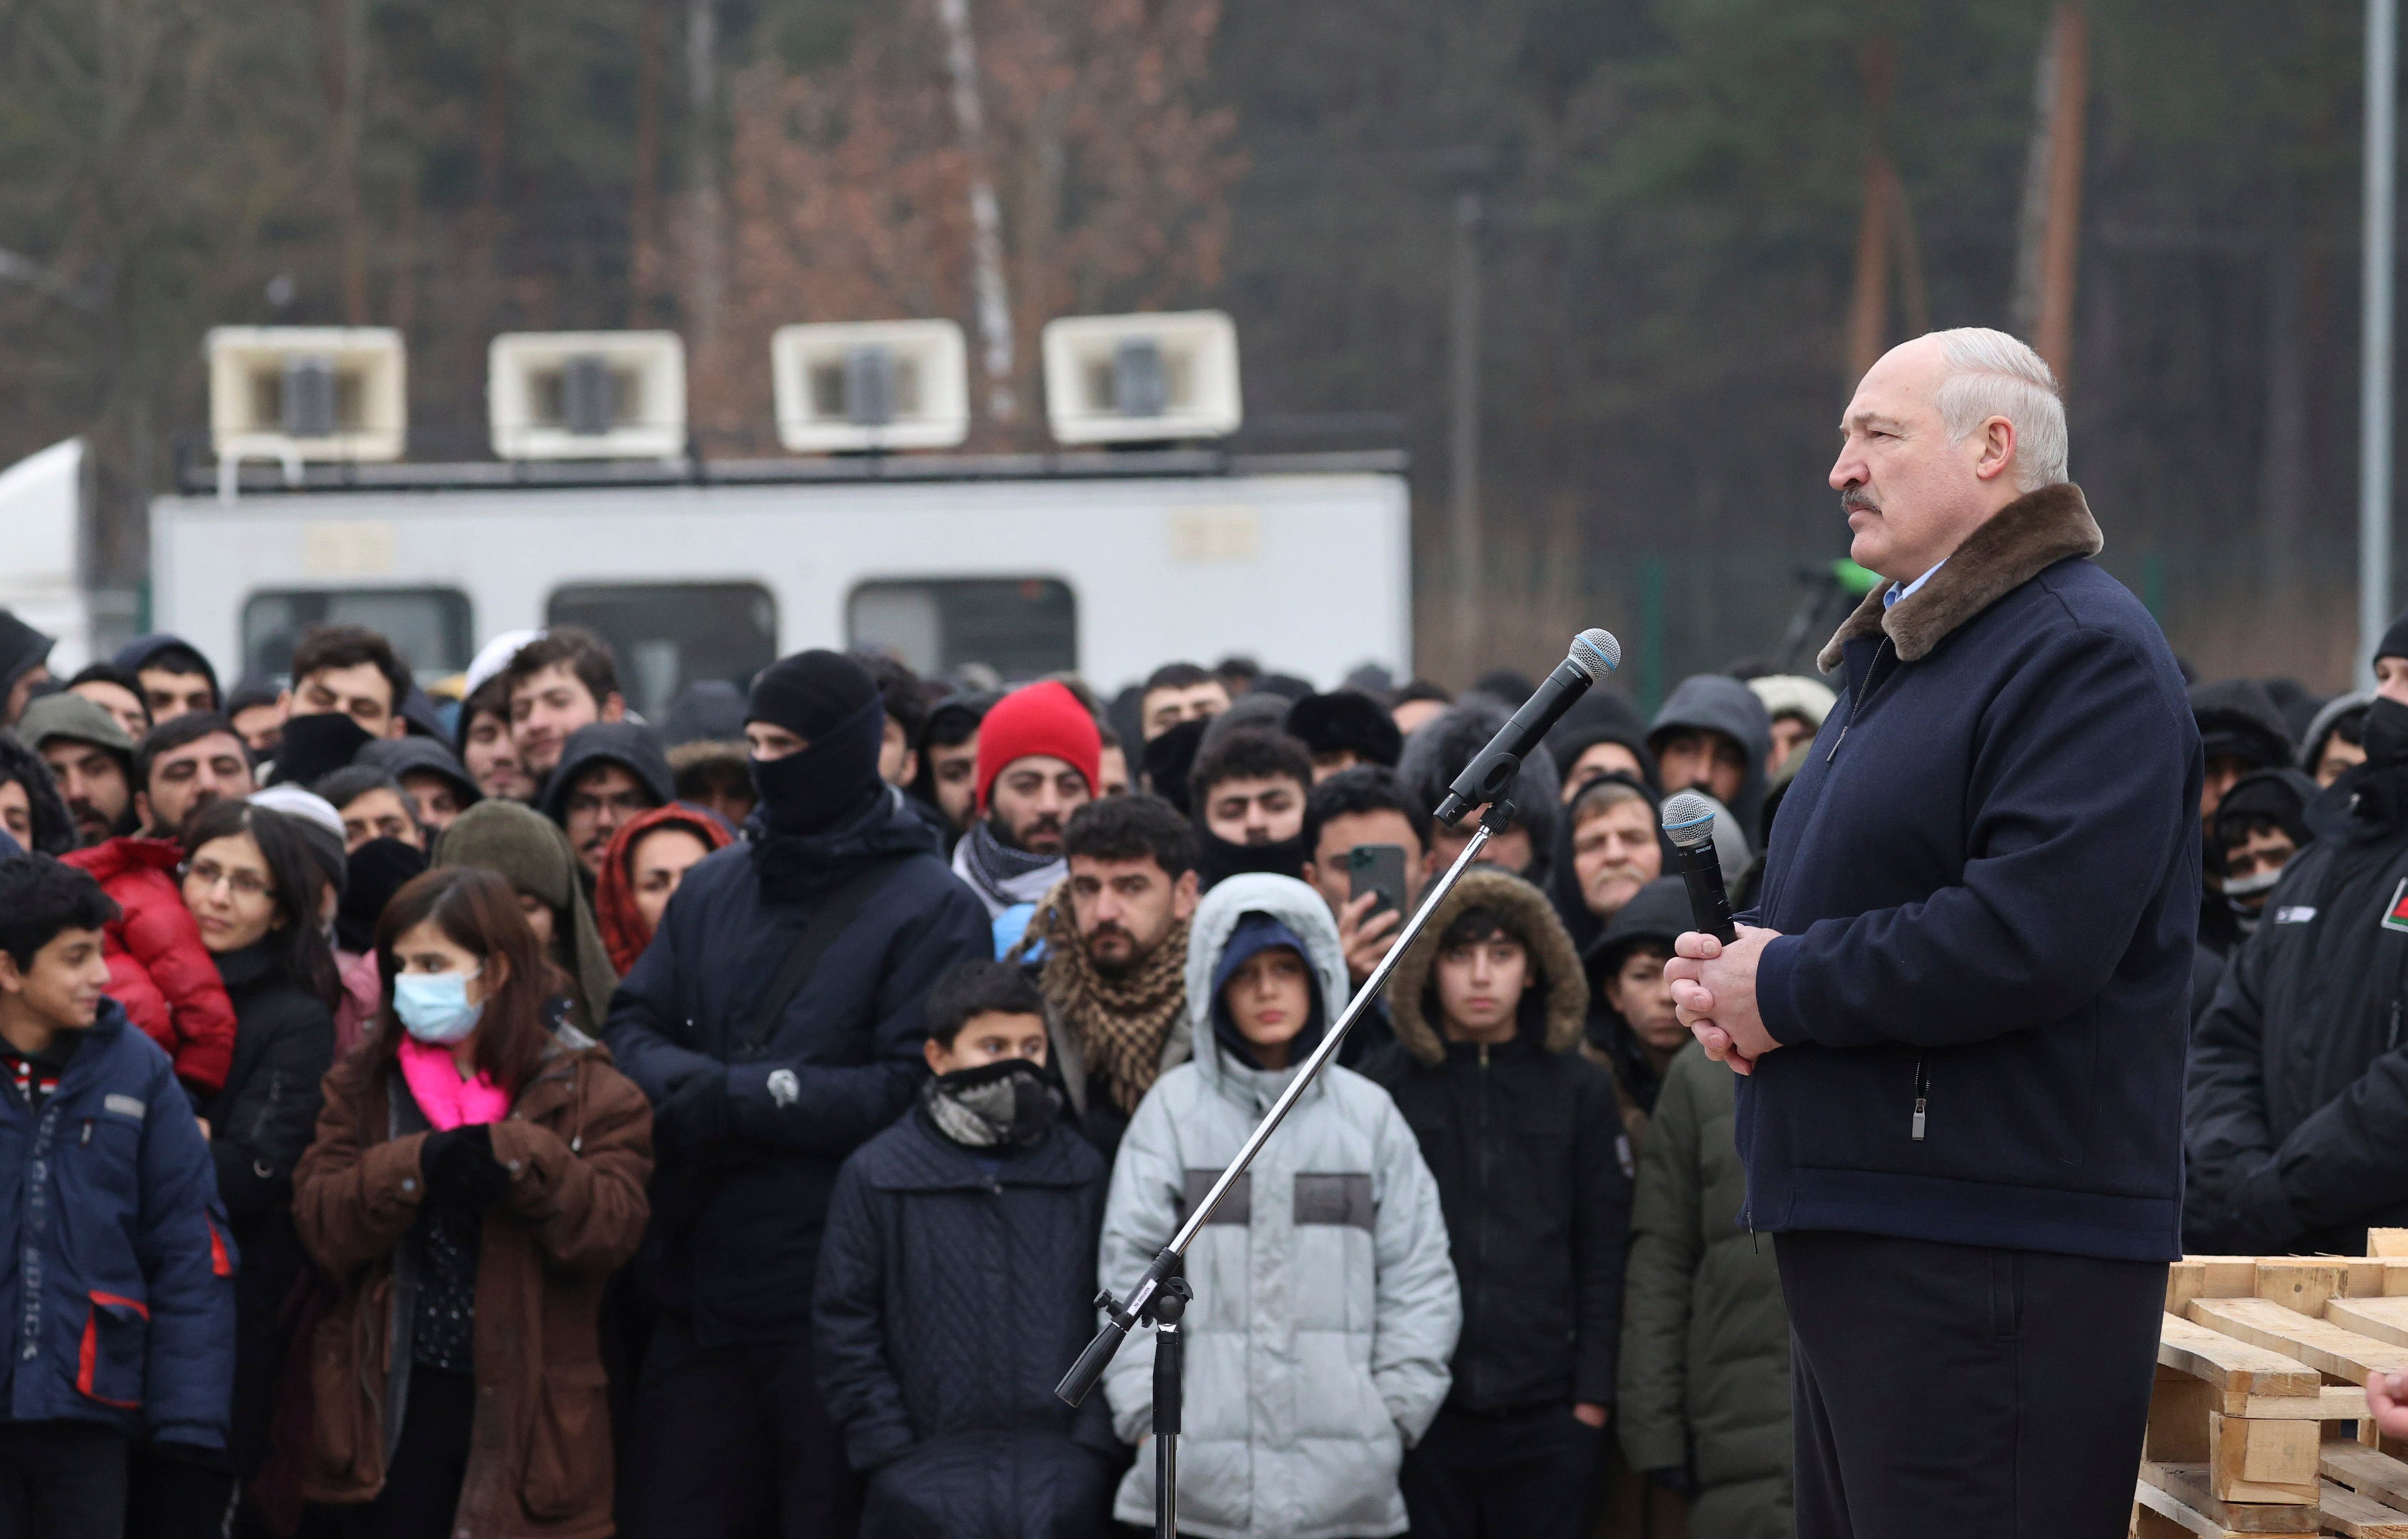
[{"x": 158, "y": 969}]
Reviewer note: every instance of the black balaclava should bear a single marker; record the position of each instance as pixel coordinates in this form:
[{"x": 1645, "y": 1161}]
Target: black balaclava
[
  {"x": 1218, "y": 859},
  {"x": 314, "y": 747},
  {"x": 374, "y": 871},
  {"x": 830, "y": 702},
  {"x": 1169, "y": 757},
  {"x": 1004, "y": 1106}
]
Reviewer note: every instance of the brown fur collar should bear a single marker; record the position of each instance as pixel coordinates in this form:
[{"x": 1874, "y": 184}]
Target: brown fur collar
[
  {"x": 1527, "y": 909},
  {"x": 2020, "y": 541}
]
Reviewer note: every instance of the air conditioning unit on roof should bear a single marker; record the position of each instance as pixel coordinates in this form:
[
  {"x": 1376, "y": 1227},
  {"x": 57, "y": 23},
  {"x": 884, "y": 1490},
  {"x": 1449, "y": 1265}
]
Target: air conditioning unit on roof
[
  {"x": 1123, "y": 378},
  {"x": 856, "y": 386},
  {"x": 586, "y": 395},
  {"x": 311, "y": 392}
]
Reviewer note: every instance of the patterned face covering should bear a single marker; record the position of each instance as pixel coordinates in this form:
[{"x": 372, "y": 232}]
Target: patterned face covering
[{"x": 1004, "y": 1104}]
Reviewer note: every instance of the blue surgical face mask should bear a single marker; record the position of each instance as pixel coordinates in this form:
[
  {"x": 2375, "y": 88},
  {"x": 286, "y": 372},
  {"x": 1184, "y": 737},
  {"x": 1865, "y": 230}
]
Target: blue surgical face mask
[{"x": 434, "y": 1006}]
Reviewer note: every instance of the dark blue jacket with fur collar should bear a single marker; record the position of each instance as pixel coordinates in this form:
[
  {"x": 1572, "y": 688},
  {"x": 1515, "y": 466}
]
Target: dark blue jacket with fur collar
[{"x": 1987, "y": 877}]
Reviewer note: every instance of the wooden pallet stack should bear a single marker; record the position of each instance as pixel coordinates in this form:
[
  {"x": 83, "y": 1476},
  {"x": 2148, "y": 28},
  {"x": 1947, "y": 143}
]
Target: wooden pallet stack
[{"x": 2259, "y": 1422}]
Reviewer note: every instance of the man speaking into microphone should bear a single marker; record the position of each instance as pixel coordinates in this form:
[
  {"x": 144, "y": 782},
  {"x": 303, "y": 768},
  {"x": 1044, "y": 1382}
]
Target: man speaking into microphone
[{"x": 1960, "y": 1005}]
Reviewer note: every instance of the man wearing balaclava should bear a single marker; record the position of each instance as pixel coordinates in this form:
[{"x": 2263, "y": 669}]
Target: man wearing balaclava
[
  {"x": 776, "y": 1023},
  {"x": 2298, "y": 1103}
]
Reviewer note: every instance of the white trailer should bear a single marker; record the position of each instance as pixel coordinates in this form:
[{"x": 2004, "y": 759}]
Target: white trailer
[{"x": 1105, "y": 563}]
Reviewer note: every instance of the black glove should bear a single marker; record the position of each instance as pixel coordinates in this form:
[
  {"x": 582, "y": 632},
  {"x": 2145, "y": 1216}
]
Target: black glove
[
  {"x": 697, "y": 1123},
  {"x": 458, "y": 1165}
]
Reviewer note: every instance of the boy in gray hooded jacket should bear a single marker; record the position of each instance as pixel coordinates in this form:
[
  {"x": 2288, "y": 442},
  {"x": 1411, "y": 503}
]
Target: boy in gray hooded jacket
[{"x": 1326, "y": 1305}]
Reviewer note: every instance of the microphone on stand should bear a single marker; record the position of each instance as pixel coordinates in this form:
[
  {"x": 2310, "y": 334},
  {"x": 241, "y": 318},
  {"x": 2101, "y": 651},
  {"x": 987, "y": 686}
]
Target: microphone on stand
[
  {"x": 1594, "y": 654},
  {"x": 1689, "y": 823}
]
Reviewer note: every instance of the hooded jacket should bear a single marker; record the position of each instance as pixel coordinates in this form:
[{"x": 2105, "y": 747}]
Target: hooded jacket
[
  {"x": 530, "y": 852},
  {"x": 158, "y": 969},
  {"x": 1521, "y": 1141},
  {"x": 110, "y": 1213},
  {"x": 1325, "y": 1307},
  {"x": 737, "y": 1235},
  {"x": 135, "y": 656},
  {"x": 2237, "y": 718},
  {"x": 1716, "y": 703},
  {"x": 418, "y": 754},
  {"x": 2321, "y": 726},
  {"x": 1601, "y": 716},
  {"x": 576, "y": 1146},
  {"x": 630, "y": 745},
  {"x": 961, "y": 1427},
  {"x": 1705, "y": 1337},
  {"x": 1656, "y": 912},
  {"x": 54, "y": 830},
  {"x": 1985, "y": 881},
  {"x": 2297, "y": 1091}
]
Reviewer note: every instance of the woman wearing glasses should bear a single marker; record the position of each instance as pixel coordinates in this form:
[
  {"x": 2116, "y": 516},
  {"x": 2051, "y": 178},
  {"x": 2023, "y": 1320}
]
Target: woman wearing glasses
[{"x": 255, "y": 894}]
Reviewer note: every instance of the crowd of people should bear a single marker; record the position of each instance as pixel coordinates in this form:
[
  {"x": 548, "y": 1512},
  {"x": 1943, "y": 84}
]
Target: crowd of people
[{"x": 488, "y": 1113}]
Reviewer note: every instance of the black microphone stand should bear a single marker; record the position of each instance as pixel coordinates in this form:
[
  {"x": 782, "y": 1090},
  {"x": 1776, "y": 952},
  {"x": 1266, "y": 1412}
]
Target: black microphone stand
[{"x": 1160, "y": 1297}]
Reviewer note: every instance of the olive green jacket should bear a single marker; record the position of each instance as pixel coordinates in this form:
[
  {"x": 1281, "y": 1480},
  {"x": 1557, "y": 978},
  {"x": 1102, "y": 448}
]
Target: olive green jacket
[{"x": 1704, "y": 1379}]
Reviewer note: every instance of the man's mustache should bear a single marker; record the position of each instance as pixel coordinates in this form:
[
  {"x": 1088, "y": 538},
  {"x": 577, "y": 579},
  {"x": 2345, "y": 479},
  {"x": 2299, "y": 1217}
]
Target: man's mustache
[{"x": 1856, "y": 499}]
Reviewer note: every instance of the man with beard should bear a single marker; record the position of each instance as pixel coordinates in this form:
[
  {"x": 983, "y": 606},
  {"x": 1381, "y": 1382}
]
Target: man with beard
[
  {"x": 775, "y": 1020},
  {"x": 186, "y": 764},
  {"x": 1248, "y": 790},
  {"x": 92, "y": 759},
  {"x": 1112, "y": 943},
  {"x": 1038, "y": 762},
  {"x": 2298, "y": 1073}
]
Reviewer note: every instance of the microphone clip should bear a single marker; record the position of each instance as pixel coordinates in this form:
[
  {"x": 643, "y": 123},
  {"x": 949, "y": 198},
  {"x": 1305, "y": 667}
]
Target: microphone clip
[{"x": 1483, "y": 780}]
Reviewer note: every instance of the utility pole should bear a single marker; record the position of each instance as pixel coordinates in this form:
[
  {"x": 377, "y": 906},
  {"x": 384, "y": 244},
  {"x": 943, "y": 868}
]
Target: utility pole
[
  {"x": 1463, "y": 454},
  {"x": 2374, "y": 345},
  {"x": 2049, "y": 233}
]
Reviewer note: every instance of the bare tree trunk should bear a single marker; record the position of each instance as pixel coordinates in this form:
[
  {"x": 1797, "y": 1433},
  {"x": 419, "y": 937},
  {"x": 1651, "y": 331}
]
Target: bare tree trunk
[
  {"x": 705, "y": 250},
  {"x": 990, "y": 296},
  {"x": 346, "y": 51},
  {"x": 1869, "y": 301},
  {"x": 643, "y": 202},
  {"x": 2282, "y": 472},
  {"x": 2048, "y": 234},
  {"x": 1463, "y": 456}
]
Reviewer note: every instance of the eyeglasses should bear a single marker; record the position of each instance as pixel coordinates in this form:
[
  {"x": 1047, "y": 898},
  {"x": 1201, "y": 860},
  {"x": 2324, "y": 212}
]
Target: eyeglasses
[{"x": 208, "y": 873}]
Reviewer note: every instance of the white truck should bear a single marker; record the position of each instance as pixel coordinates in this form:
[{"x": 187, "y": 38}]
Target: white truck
[{"x": 1106, "y": 563}]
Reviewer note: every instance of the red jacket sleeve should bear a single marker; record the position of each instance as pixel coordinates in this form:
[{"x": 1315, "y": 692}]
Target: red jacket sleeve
[{"x": 161, "y": 936}]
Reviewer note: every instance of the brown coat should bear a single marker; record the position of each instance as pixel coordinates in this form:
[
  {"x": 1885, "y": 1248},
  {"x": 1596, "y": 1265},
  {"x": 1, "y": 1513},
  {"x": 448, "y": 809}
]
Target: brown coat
[{"x": 579, "y": 1144}]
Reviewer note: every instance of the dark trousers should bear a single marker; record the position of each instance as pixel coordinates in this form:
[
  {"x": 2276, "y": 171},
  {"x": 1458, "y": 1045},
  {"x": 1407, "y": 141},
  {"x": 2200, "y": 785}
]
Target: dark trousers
[
  {"x": 1983, "y": 1394},
  {"x": 735, "y": 1445},
  {"x": 62, "y": 1480},
  {"x": 1527, "y": 1474},
  {"x": 421, "y": 1485},
  {"x": 175, "y": 1494}
]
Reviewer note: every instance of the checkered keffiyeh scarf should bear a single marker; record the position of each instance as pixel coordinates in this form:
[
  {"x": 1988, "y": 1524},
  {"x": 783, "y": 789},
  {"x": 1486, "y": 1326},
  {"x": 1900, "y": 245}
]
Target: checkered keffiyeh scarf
[{"x": 1122, "y": 1019}]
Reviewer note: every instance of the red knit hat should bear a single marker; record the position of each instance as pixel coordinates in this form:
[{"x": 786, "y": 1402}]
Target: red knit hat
[{"x": 1043, "y": 718}]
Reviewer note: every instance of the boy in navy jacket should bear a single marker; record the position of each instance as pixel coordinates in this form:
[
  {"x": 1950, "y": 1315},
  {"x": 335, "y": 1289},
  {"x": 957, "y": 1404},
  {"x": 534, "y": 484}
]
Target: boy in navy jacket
[{"x": 116, "y": 1283}]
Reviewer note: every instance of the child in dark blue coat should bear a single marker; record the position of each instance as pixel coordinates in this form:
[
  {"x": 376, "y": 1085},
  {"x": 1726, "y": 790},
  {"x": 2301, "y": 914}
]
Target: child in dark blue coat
[
  {"x": 957, "y": 1283},
  {"x": 119, "y": 1282}
]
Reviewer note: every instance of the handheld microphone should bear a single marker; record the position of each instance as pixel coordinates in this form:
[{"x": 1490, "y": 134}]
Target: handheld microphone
[
  {"x": 1689, "y": 823},
  {"x": 1595, "y": 654}
]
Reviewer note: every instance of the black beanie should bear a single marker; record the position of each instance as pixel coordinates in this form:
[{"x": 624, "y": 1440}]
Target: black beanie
[
  {"x": 2395, "y": 640},
  {"x": 809, "y": 692},
  {"x": 375, "y": 871}
]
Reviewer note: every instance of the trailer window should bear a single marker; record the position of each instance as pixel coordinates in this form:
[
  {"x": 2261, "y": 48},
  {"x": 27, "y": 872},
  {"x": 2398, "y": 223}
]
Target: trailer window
[
  {"x": 429, "y": 628},
  {"x": 667, "y": 635},
  {"x": 1021, "y": 626}
]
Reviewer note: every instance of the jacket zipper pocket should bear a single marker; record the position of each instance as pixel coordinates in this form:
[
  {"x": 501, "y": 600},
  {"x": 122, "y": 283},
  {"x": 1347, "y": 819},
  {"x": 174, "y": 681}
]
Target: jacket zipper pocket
[{"x": 1922, "y": 1093}]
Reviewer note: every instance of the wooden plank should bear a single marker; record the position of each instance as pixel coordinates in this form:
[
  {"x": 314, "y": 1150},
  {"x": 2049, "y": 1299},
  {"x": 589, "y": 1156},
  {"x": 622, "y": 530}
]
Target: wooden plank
[
  {"x": 2319, "y": 1344},
  {"x": 2377, "y": 1277},
  {"x": 2379, "y": 1477},
  {"x": 2348, "y": 1513},
  {"x": 2268, "y": 1462},
  {"x": 2387, "y": 1241},
  {"x": 2173, "y": 1517},
  {"x": 2301, "y": 1284},
  {"x": 2238, "y": 1369},
  {"x": 2385, "y": 1319},
  {"x": 2188, "y": 1485},
  {"x": 2334, "y": 1403}
]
